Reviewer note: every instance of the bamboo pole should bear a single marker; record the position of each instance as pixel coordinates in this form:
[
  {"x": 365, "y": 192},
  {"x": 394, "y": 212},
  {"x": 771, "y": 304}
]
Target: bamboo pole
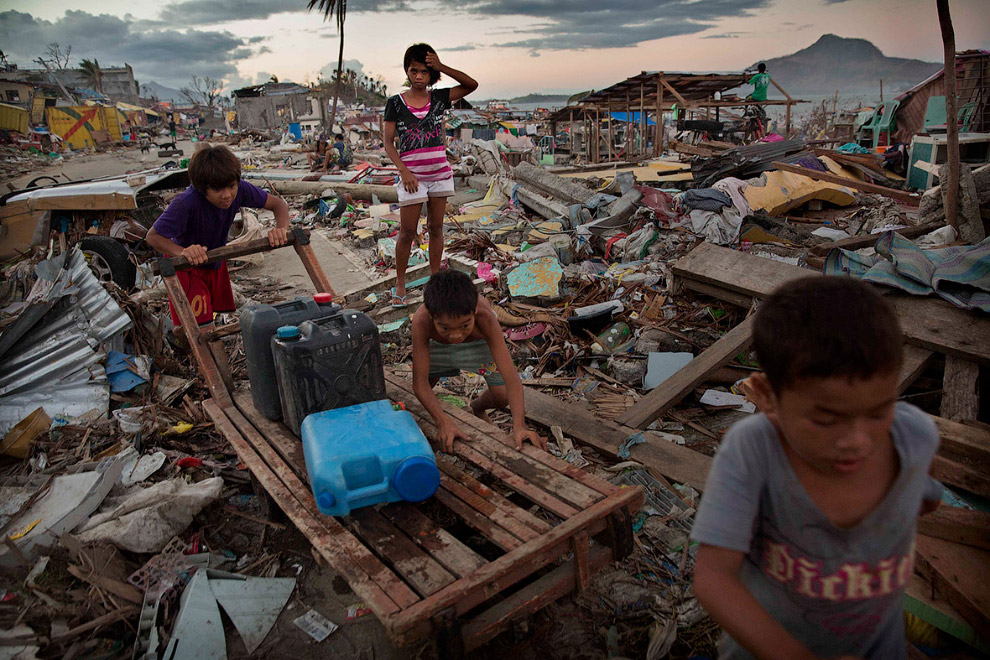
[
  {"x": 658, "y": 138},
  {"x": 951, "y": 114}
]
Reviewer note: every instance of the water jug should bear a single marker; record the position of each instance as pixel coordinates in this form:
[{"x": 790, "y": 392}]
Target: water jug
[
  {"x": 366, "y": 454},
  {"x": 258, "y": 326},
  {"x": 327, "y": 363}
]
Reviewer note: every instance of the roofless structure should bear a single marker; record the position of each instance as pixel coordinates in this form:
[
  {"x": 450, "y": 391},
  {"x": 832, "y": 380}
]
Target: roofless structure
[{"x": 645, "y": 97}]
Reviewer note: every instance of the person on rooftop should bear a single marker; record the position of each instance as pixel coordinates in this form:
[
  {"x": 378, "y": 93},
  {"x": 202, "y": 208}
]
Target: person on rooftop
[{"x": 760, "y": 82}]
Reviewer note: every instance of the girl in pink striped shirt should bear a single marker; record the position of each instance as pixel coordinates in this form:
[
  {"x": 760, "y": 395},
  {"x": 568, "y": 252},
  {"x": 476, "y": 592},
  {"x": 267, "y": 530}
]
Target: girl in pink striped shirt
[{"x": 415, "y": 117}]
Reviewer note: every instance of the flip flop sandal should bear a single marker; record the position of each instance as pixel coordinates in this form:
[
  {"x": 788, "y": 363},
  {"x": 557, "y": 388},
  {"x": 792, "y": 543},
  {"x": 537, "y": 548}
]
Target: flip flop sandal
[{"x": 401, "y": 299}]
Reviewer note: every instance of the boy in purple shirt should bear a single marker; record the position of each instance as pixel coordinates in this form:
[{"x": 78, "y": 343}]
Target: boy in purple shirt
[{"x": 199, "y": 220}]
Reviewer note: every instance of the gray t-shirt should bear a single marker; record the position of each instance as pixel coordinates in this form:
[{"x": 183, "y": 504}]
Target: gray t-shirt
[{"x": 839, "y": 591}]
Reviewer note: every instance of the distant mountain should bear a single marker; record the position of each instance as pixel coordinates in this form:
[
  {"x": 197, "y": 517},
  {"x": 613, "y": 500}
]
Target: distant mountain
[
  {"x": 161, "y": 92},
  {"x": 848, "y": 65},
  {"x": 549, "y": 99}
]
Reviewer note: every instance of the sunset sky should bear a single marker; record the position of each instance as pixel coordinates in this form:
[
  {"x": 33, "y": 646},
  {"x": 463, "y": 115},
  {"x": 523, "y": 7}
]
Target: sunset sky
[{"x": 512, "y": 47}]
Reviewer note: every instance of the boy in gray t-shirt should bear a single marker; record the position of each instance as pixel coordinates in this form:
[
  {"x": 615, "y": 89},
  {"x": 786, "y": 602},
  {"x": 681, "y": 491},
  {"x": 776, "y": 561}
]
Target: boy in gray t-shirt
[{"x": 808, "y": 520}]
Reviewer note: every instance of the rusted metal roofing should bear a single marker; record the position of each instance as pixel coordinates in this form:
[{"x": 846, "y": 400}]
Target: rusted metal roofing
[{"x": 693, "y": 87}]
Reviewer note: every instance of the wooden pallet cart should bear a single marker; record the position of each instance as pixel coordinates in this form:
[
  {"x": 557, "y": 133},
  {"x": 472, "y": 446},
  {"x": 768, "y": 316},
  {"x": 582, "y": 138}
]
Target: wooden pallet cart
[{"x": 507, "y": 533}]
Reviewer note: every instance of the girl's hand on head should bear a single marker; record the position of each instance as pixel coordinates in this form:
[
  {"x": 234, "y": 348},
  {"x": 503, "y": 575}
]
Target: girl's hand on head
[{"x": 433, "y": 61}]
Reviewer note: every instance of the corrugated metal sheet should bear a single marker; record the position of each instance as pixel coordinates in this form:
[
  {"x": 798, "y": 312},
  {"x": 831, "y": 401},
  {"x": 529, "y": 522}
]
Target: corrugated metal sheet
[
  {"x": 13, "y": 118},
  {"x": 57, "y": 363}
]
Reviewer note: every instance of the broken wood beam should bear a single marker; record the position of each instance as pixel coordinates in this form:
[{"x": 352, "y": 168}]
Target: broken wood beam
[
  {"x": 362, "y": 191},
  {"x": 669, "y": 393},
  {"x": 950, "y": 523},
  {"x": 916, "y": 360},
  {"x": 926, "y": 322},
  {"x": 672, "y": 461},
  {"x": 568, "y": 190},
  {"x": 893, "y": 193},
  {"x": 869, "y": 240},
  {"x": 960, "y": 390},
  {"x": 960, "y": 574}
]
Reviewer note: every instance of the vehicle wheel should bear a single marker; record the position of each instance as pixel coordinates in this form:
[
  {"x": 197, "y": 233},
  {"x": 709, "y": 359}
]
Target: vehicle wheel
[{"x": 109, "y": 260}]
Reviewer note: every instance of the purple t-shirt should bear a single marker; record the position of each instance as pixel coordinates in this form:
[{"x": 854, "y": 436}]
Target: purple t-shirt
[{"x": 191, "y": 220}]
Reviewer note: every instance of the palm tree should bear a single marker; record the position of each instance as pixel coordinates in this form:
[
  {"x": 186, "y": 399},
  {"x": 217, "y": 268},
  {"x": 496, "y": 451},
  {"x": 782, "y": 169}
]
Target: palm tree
[
  {"x": 331, "y": 9},
  {"x": 91, "y": 69}
]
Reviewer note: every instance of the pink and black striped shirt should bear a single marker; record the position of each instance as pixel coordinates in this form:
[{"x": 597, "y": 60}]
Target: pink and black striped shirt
[{"x": 422, "y": 147}]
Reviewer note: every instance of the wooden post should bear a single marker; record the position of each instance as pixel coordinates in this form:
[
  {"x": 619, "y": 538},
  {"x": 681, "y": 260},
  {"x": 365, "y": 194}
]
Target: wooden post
[
  {"x": 658, "y": 141},
  {"x": 570, "y": 127},
  {"x": 642, "y": 120},
  {"x": 628, "y": 139},
  {"x": 787, "y": 121},
  {"x": 608, "y": 127},
  {"x": 598, "y": 133},
  {"x": 951, "y": 115}
]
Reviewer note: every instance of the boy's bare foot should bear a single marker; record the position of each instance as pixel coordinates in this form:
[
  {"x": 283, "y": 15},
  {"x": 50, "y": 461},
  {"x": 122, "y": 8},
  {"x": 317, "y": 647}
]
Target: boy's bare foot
[{"x": 481, "y": 414}]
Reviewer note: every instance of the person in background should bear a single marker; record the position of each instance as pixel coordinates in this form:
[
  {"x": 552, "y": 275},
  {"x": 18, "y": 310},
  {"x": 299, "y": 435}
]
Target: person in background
[
  {"x": 415, "y": 117},
  {"x": 808, "y": 518},
  {"x": 760, "y": 82}
]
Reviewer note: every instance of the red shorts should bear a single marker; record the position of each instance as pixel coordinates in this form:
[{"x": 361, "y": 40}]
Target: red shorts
[{"x": 208, "y": 291}]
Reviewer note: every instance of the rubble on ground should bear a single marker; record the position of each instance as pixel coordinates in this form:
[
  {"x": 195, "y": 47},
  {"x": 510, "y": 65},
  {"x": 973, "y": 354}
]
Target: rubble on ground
[{"x": 578, "y": 266}]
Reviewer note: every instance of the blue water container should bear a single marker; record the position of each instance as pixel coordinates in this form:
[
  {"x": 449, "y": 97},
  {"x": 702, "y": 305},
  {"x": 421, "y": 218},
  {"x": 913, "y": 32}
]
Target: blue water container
[
  {"x": 367, "y": 454},
  {"x": 295, "y": 130}
]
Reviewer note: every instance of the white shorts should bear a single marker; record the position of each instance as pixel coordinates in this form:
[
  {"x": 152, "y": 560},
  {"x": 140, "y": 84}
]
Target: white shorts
[{"x": 442, "y": 188}]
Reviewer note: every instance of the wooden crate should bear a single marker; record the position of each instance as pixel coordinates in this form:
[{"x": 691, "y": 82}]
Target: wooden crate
[
  {"x": 418, "y": 577},
  {"x": 422, "y": 580}
]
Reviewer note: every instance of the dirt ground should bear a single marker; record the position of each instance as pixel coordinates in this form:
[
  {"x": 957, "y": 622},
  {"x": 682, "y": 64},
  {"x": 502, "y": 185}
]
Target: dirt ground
[{"x": 108, "y": 163}]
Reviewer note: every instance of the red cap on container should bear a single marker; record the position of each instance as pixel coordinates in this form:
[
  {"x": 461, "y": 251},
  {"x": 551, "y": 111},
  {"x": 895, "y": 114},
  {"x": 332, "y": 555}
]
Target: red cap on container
[{"x": 321, "y": 298}]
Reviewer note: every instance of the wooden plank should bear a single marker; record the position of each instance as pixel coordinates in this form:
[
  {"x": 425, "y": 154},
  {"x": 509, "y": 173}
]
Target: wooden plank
[
  {"x": 347, "y": 556},
  {"x": 960, "y": 390},
  {"x": 477, "y": 521},
  {"x": 514, "y": 481},
  {"x": 417, "y": 568},
  {"x": 582, "y": 574},
  {"x": 320, "y": 280},
  {"x": 963, "y": 442},
  {"x": 957, "y": 525},
  {"x": 438, "y": 542},
  {"x": 449, "y": 468},
  {"x": 962, "y": 575},
  {"x": 921, "y": 601},
  {"x": 279, "y": 437},
  {"x": 232, "y": 252},
  {"x": 961, "y": 475},
  {"x": 926, "y": 322},
  {"x": 869, "y": 240},
  {"x": 669, "y": 393},
  {"x": 399, "y": 592},
  {"x": 468, "y": 419},
  {"x": 515, "y": 469},
  {"x": 672, "y": 461},
  {"x": 855, "y": 184},
  {"x": 916, "y": 360},
  {"x": 467, "y": 593},
  {"x": 200, "y": 349},
  {"x": 531, "y": 598},
  {"x": 488, "y": 509}
]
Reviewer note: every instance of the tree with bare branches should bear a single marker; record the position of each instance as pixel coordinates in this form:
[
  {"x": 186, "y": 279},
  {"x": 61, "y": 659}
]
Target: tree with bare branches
[
  {"x": 56, "y": 61},
  {"x": 203, "y": 91}
]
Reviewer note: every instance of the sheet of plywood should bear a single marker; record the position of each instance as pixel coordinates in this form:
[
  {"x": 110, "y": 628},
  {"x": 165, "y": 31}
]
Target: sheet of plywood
[{"x": 927, "y": 322}]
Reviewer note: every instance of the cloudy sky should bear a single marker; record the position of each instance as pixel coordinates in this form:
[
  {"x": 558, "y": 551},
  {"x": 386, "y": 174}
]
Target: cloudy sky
[{"x": 512, "y": 47}]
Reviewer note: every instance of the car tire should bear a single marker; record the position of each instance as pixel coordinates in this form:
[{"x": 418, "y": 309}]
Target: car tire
[{"x": 109, "y": 260}]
